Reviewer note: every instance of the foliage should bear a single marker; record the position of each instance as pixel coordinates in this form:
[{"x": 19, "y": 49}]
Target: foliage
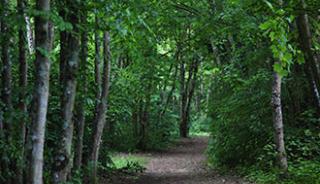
[
  {"x": 240, "y": 127},
  {"x": 241, "y": 131},
  {"x": 238, "y": 44},
  {"x": 129, "y": 162},
  {"x": 301, "y": 172}
]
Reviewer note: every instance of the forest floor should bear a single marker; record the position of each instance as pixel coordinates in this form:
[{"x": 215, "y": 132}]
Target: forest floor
[{"x": 184, "y": 163}]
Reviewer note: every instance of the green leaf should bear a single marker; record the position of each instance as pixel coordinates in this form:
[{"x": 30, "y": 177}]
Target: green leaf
[{"x": 269, "y": 5}]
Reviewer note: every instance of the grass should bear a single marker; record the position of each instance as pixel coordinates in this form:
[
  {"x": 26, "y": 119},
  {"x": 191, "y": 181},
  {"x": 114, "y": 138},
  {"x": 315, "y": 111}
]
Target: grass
[
  {"x": 122, "y": 160},
  {"x": 202, "y": 134}
]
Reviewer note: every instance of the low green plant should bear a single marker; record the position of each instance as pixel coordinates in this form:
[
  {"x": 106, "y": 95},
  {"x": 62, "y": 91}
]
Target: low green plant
[
  {"x": 120, "y": 161},
  {"x": 304, "y": 172}
]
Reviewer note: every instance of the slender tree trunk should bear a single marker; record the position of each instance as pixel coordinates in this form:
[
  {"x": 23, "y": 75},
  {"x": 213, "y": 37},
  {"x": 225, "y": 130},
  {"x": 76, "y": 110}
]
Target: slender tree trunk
[
  {"x": 97, "y": 59},
  {"x": 41, "y": 93},
  {"x": 6, "y": 73},
  {"x": 187, "y": 92},
  {"x": 310, "y": 57},
  {"x": 100, "y": 116},
  {"x": 169, "y": 96},
  {"x": 315, "y": 93},
  {"x": 6, "y": 165},
  {"x": 278, "y": 122},
  {"x": 192, "y": 85},
  {"x": 173, "y": 88},
  {"x": 23, "y": 76},
  {"x": 64, "y": 159},
  {"x": 144, "y": 118},
  {"x": 183, "y": 100},
  {"x": 30, "y": 38},
  {"x": 80, "y": 121},
  {"x": 63, "y": 46},
  {"x": 135, "y": 119}
]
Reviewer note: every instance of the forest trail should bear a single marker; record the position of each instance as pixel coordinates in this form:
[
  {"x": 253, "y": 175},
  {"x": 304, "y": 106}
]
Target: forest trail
[{"x": 184, "y": 164}]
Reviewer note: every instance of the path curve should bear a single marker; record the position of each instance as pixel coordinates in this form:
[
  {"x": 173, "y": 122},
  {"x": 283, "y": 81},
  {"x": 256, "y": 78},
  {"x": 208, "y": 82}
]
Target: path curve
[{"x": 184, "y": 164}]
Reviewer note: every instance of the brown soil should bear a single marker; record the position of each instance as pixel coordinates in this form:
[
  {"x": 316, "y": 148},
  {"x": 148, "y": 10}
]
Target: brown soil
[{"x": 183, "y": 164}]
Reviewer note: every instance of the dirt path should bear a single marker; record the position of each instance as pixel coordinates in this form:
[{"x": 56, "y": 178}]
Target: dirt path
[{"x": 183, "y": 164}]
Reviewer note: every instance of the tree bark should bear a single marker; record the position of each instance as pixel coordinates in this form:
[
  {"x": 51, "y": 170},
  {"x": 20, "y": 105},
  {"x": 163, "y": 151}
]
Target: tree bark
[
  {"x": 169, "y": 96},
  {"x": 80, "y": 121},
  {"x": 278, "y": 123},
  {"x": 183, "y": 100},
  {"x": 306, "y": 46},
  {"x": 6, "y": 72},
  {"x": 186, "y": 94},
  {"x": 195, "y": 66},
  {"x": 144, "y": 118},
  {"x": 6, "y": 165},
  {"x": 30, "y": 39},
  {"x": 175, "y": 66},
  {"x": 100, "y": 116},
  {"x": 64, "y": 159},
  {"x": 63, "y": 46},
  {"x": 41, "y": 93},
  {"x": 97, "y": 59},
  {"x": 23, "y": 79}
]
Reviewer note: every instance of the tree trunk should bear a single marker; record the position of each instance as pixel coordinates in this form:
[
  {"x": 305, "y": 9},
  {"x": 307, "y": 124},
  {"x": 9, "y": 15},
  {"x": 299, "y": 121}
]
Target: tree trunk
[
  {"x": 23, "y": 74},
  {"x": 97, "y": 59},
  {"x": 80, "y": 121},
  {"x": 63, "y": 47},
  {"x": 183, "y": 100},
  {"x": 100, "y": 116},
  {"x": 144, "y": 118},
  {"x": 191, "y": 88},
  {"x": 6, "y": 72},
  {"x": 306, "y": 46},
  {"x": 64, "y": 160},
  {"x": 175, "y": 66},
  {"x": 6, "y": 165},
  {"x": 169, "y": 96},
  {"x": 41, "y": 93},
  {"x": 135, "y": 119},
  {"x": 30, "y": 39},
  {"x": 186, "y": 94},
  {"x": 278, "y": 122}
]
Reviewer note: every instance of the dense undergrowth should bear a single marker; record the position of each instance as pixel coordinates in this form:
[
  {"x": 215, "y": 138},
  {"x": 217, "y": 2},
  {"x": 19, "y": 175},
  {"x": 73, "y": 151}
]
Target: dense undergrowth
[{"x": 241, "y": 131}]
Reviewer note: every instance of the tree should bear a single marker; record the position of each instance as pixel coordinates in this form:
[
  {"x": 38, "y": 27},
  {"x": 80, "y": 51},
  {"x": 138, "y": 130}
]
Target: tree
[
  {"x": 187, "y": 91},
  {"x": 311, "y": 59},
  {"x": 6, "y": 72},
  {"x": 64, "y": 157},
  {"x": 23, "y": 81},
  {"x": 101, "y": 107},
  {"x": 41, "y": 92},
  {"x": 278, "y": 122},
  {"x": 82, "y": 80}
]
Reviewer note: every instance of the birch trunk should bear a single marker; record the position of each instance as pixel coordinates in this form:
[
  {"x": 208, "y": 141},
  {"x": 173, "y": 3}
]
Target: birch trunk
[
  {"x": 41, "y": 93},
  {"x": 30, "y": 38},
  {"x": 278, "y": 122}
]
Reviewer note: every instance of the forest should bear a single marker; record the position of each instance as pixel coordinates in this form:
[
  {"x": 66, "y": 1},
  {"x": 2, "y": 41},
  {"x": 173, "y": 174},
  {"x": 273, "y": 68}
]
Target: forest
[{"x": 160, "y": 91}]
